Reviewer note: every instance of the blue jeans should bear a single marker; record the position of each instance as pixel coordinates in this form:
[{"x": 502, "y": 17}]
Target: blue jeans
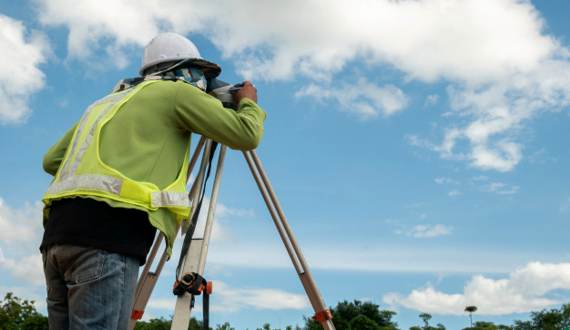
[{"x": 88, "y": 288}]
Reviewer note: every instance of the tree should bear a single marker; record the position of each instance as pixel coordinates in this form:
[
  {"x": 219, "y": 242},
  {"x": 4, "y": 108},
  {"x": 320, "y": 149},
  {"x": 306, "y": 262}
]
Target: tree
[
  {"x": 471, "y": 310},
  {"x": 225, "y": 326},
  {"x": 482, "y": 325},
  {"x": 18, "y": 314},
  {"x": 163, "y": 324},
  {"x": 553, "y": 319},
  {"x": 425, "y": 317},
  {"x": 439, "y": 326},
  {"x": 522, "y": 325},
  {"x": 290, "y": 327},
  {"x": 361, "y": 322},
  {"x": 153, "y": 324},
  {"x": 266, "y": 326},
  {"x": 345, "y": 312}
]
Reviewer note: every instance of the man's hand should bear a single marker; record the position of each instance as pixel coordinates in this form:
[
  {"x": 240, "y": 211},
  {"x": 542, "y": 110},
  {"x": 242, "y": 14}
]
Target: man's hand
[{"x": 248, "y": 90}]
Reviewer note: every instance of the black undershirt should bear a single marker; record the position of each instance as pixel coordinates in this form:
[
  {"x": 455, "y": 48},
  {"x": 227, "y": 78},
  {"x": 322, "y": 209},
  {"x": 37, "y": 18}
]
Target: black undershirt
[{"x": 87, "y": 222}]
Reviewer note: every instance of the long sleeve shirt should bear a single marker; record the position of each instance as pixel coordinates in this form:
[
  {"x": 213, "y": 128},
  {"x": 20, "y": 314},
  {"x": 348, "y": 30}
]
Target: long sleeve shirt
[{"x": 146, "y": 141}]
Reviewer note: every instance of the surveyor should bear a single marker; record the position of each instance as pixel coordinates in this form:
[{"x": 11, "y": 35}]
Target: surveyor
[{"x": 120, "y": 174}]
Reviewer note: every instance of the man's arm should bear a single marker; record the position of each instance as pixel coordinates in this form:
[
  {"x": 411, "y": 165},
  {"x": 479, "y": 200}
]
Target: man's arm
[
  {"x": 55, "y": 154},
  {"x": 205, "y": 115}
]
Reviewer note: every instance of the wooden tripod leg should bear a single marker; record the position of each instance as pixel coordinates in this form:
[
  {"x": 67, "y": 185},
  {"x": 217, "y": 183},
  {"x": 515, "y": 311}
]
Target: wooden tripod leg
[
  {"x": 195, "y": 259},
  {"x": 148, "y": 278},
  {"x": 322, "y": 314}
]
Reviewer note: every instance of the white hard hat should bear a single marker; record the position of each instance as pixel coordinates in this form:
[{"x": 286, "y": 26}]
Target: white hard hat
[{"x": 172, "y": 47}]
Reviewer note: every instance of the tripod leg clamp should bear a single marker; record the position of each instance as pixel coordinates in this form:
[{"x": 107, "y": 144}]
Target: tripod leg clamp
[
  {"x": 323, "y": 316},
  {"x": 195, "y": 284},
  {"x": 192, "y": 283}
]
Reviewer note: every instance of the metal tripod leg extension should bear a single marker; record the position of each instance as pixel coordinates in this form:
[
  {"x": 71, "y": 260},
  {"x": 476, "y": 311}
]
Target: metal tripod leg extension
[
  {"x": 148, "y": 278},
  {"x": 195, "y": 259},
  {"x": 322, "y": 314}
]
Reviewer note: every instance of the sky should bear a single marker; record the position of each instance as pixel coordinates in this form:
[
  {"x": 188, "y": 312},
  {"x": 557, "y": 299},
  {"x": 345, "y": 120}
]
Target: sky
[{"x": 417, "y": 147}]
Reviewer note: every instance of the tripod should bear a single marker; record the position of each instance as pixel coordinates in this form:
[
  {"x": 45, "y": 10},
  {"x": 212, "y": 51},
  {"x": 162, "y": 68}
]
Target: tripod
[{"x": 195, "y": 250}]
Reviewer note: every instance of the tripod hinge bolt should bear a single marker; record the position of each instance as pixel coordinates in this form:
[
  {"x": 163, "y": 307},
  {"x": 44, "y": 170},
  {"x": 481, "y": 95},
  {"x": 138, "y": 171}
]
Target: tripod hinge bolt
[{"x": 323, "y": 316}]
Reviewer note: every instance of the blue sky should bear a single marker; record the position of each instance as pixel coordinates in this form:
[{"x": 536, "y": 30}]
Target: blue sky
[{"x": 418, "y": 147}]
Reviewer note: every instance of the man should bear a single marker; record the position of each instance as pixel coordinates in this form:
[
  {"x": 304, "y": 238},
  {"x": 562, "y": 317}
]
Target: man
[{"x": 120, "y": 174}]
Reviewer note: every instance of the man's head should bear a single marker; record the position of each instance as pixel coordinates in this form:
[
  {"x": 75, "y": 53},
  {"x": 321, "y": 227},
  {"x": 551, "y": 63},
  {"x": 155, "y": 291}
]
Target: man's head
[{"x": 170, "y": 52}]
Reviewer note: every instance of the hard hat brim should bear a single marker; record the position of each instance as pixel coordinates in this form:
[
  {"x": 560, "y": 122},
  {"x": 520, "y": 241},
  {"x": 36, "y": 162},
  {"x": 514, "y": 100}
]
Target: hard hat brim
[{"x": 210, "y": 69}]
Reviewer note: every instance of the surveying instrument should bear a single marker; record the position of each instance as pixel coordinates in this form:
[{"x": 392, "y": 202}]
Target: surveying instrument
[{"x": 189, "y": 273}]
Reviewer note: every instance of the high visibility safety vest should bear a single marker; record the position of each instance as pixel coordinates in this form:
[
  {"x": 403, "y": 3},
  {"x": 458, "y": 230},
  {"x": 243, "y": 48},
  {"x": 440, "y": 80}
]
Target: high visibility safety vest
[{"x": 83, "y": 173}]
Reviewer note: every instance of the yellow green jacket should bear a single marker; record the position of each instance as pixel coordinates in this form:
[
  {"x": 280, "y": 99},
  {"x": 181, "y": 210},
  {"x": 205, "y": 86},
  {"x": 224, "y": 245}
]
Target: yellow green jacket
[{"x": 147, "y": 139}]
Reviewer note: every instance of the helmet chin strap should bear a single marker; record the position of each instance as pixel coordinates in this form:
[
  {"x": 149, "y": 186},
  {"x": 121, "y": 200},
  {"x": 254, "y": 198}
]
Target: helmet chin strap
[
  {"x": 184, "y": 74},
  {"x": 194, "y": 76}
]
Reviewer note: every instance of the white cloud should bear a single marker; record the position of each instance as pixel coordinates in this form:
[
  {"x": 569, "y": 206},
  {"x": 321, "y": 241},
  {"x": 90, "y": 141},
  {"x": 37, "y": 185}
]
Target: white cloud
[
  {"x": 428, "y": 231},
  {"x": 223, "y": 213},
  {"x": 20, "y": 76},
  {"x": 480, "y": 178},
  {"x": 28, "y": 267},
  {"x": 445, "y": 180},
  {"x": 524, "y": 290},
  {"x": 454, "y": 193},
  {"x": 501, "y": 68},
  {"x": 482, "y": 183},
  {"x": 235, "y": 299},
  {"x": 364, "y": 99},
  {"x": 431, "y": 100},
  {"x": 20, "y": 234},
  {"x": 163, "y": 303},
  {"x": 498, "y": 110},
  {"x": 19, "y": 225},
  {"x": 231, "y": 299},
  {"x": 372, "y": 257},
  {"x": 501, "y": 188},
  {"x": 457, "y": 40}
]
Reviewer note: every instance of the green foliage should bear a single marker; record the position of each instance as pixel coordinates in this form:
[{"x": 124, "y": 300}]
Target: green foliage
[
  {"x": 522, "y": 325},
  {"x": 17, "y": 314},
  {"x": 482, "y": 325},
  {"x": 345, "y": 312},
  {"x": 553, "y": 319},
  {"x": 154, "y": 324},
  {"x": 225, "y": 326},
  {"x": 163, "y": 324},
  {"x": 266, "y": 326},
  {"x": 362, "y": 322},
  {"x": 425, "y": 317}
]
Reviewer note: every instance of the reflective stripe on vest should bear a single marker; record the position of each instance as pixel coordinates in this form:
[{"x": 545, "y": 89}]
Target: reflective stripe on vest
[
  {"x": 71, "y": 180},
  {"x": 87, "y": 182},
  {"x": 169, "y": 198},
  {"x": 70, "y": 167},
  {"x": 113, "y": 185}
]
